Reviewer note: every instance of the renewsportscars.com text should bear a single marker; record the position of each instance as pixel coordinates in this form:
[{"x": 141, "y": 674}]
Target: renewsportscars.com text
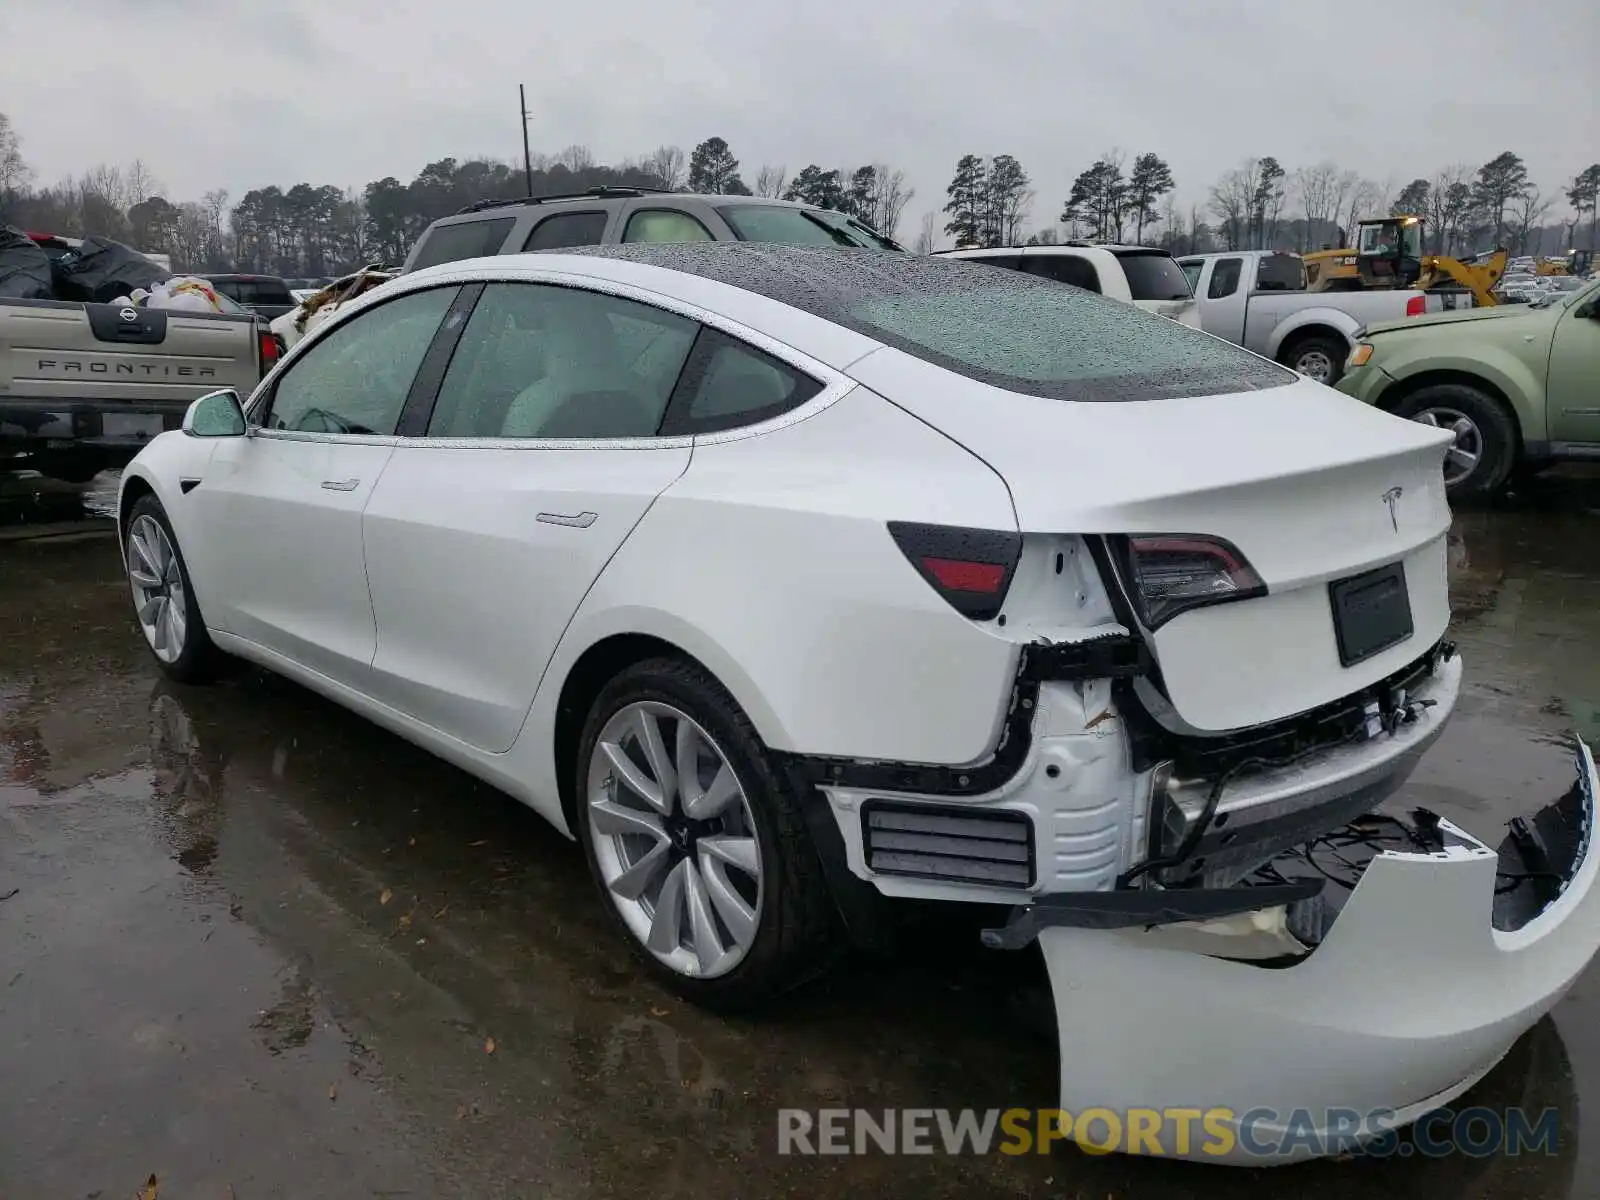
[{"x": 1218, "y": 1132}]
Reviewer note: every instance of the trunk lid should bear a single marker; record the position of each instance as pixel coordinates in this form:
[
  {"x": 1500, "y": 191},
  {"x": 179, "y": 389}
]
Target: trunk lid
[{"x": 1299, "y": 478}]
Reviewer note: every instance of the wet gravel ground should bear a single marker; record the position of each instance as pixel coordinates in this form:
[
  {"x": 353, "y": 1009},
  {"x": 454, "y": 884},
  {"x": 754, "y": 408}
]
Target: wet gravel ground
[{"x": 255, "y": 947}]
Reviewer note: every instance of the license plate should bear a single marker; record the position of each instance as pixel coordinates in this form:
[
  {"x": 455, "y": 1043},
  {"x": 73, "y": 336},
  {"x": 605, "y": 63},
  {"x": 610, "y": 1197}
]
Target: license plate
[
  {"x": 131, "y": 425},
  {"x": 1371, "y": 612}
]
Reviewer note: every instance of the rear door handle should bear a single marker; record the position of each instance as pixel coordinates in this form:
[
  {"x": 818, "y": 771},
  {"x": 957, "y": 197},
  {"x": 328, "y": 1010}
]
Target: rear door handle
[
  {"x": 575, "y": 521},
  {"x": 341, "y": 485}
]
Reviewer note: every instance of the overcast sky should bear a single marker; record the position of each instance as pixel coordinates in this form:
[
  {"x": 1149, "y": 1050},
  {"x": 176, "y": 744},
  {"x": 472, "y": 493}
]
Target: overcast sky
[{"x": 219, "y": 93}]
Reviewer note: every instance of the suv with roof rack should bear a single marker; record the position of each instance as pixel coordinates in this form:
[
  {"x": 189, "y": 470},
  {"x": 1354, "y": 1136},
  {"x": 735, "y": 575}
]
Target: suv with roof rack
[{"x": 605, "y": 216}]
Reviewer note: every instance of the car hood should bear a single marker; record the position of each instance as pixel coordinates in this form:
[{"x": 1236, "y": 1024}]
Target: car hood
[{"x": 1457, "y": 316}]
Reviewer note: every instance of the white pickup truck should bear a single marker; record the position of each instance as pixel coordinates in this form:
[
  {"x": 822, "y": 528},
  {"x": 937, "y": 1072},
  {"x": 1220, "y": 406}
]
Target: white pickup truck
[{"x": 1257, "y": 299}]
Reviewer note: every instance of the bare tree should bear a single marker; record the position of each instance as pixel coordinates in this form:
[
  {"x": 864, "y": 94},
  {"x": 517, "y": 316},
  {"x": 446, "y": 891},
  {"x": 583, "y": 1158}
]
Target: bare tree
[
  {"x": 927, "y": 234},
  {"x": 14, "y": 172},
  {"x": 666, "y": 165},
  {"x": 1231, "y": 196},
  {"x": 1443, "y": 199},
  {"x": 770, "y": 180},
  {"x": 1318, "y": 189},
  {"x": 890, "y": 195},
  {"x": 1527, "y": 214},
  {"x": 140, "y": 183},
  {"x": 576, "y": 158}
]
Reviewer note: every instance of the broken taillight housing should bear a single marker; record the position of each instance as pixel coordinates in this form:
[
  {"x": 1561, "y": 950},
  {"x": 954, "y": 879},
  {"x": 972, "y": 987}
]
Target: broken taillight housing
[
  {"x": 970, "y": 568},
  {"x": 1170, "y": 573}
]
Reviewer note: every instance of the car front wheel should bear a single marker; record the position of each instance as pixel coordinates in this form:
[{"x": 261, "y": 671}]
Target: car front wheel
[
  {"x": 1480, "y": 459},
  {"x": 164, "y": 603},
  {"x": 697, "y": 840}
]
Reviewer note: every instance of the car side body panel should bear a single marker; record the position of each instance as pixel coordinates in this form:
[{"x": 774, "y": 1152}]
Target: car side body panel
[{"x": 896, "y": 673}]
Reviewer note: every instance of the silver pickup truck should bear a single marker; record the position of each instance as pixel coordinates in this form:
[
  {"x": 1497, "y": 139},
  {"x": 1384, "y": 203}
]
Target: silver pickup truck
[
  {"x": 84, "y": 386},
  {"x": 1257, "y": 299}
]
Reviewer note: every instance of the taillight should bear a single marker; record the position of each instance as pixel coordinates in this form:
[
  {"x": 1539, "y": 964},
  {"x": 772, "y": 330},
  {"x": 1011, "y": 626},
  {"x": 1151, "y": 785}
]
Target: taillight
[
  {"x": 1170, "y": 573},
  {"x": 1416, "y": 306},
  {"x": 271, "y": 350},
  {"x": 970, "y": 568}
]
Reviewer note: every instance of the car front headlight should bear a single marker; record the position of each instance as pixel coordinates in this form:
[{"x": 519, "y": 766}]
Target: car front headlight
[{"x": 1358, "y": 356}]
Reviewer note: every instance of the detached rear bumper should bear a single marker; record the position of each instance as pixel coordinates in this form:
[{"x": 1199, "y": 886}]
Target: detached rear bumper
[{"x": 1408, "y": 1001}]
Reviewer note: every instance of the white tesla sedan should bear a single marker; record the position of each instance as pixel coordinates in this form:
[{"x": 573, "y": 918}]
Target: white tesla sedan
[{"x": 791, "y": 580}]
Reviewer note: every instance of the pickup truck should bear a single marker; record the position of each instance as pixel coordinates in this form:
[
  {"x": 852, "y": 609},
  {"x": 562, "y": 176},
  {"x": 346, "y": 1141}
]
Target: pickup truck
[
  {"x": 1257, "y": 299},
  {"x": 84, "y": 386}
]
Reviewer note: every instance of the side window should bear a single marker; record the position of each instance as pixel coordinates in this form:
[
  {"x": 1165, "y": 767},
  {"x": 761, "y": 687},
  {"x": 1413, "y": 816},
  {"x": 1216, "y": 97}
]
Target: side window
[
  {"x": 468, "y": 239},
  {"x": 728, "y": 384},
  {"x": 1224, "y": 278},
  {"x": 1191, "y": 272},
  {"x": 664, "y": 225},
  {"x": 540, "y": 361},
  {"x": 1064, "y": 268},
  {"x": 567, "y": 229},
  {"x": 355, "y": 379}
]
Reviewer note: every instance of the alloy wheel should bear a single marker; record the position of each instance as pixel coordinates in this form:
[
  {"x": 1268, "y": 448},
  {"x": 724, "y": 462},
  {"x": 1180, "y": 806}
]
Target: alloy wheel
[
  {"x": 1463, "y": 456},
  {"x": 675, "y": 839},
  {"x": 158, "y": 593}
]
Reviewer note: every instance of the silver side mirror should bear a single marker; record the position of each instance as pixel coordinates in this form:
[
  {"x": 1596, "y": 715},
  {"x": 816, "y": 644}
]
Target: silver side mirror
[{"x": 216, "y": 414}]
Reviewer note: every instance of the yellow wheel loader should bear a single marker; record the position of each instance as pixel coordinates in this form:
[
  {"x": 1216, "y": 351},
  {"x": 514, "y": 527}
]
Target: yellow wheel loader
[{"x": 1388, "y": 254}]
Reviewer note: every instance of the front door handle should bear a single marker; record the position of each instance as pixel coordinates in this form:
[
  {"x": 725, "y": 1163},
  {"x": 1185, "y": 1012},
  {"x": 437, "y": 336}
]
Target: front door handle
[
  {"x": 575, "y": 521},
  {"x": 341, "y": 485}
]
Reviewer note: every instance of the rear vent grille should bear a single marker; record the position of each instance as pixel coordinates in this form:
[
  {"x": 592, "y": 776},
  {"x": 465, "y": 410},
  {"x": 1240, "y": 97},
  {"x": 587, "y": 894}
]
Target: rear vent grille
[{"x": 952, "y": 845}]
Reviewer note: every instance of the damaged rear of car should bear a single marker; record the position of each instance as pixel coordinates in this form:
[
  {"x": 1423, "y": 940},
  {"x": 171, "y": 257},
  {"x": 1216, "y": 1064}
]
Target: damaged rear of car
[{"x": 1228, "y": 587}]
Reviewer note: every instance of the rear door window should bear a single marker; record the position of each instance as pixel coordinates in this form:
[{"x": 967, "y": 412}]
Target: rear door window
[
  {"x": 567, "y": 229},
  {"x": 1154, "y": 276},
  {"x": 465, "y": 239},
  {"x": 1064, "y": 268},
  {"x": 1224, "y": 278},
  {"x": 539, "y": 361},
  {"x": 664, "y": 225}
]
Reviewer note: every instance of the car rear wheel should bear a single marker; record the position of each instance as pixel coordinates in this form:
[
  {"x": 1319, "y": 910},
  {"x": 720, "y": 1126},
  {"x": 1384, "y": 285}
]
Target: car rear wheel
[
  {"x": 1480, "y": 460},
  {"x": 163, "y": 599},
  {"x": 696, "y": 839}
]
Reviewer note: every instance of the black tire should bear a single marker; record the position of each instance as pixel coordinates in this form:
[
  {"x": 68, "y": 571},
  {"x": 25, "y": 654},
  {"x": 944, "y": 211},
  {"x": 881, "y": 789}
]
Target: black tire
[
  {"x": 200, "y": 661},
  {"x": 69, "y": 467},
  {"x": 1316, "y": 348},
  {"x": 1497, "y": 432},
  {"x": 797, "y": 921}
]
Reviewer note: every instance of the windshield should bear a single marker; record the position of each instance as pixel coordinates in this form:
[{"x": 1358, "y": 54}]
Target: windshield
[
  {"x": 1155, "y": 277},
  {"x": 802, "y": 227}
]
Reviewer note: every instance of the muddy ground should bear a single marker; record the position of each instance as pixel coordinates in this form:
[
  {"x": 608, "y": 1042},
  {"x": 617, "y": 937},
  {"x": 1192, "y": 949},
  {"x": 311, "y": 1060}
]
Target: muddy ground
[{"x": 255, "y": 947}]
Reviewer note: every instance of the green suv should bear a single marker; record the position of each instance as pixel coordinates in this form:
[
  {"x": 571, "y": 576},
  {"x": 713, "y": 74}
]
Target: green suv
[{"x": 1519, "y": 384}]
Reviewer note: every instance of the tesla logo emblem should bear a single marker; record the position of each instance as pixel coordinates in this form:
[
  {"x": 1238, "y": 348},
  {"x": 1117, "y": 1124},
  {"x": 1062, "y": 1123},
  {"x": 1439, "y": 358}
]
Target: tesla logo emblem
[
  {"x": 128, "y": 314},
  {"x": 1392, "y": 498}
]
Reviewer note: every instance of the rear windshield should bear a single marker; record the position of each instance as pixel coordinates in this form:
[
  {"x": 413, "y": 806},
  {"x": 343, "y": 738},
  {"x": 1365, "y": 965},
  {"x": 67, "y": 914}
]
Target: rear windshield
[
  {"x": 1155, "y": 277},
  {"x": 1003, "y": 328},
  {"x": 801, "y": 227},
  {"x": 1280, "y": 273},
  {"x": 467, "y": 239}
]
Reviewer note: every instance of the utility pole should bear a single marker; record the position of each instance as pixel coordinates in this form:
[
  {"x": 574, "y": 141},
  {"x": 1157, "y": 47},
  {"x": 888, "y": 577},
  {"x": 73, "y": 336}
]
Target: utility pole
[{"x": 527, "y": 157}]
